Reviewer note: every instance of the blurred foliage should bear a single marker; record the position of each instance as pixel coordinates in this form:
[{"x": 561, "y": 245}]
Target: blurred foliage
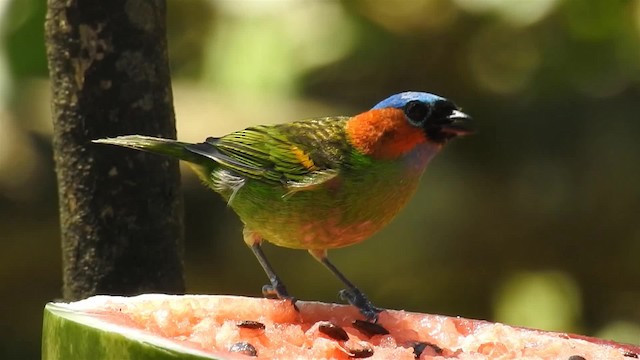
[
  {"x": 531, "y": 221},
  {"x": 545, "y": 300}
]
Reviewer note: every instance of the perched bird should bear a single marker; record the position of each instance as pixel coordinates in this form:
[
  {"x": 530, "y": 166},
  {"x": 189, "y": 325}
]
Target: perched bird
[{"x": 321, "y": 183}]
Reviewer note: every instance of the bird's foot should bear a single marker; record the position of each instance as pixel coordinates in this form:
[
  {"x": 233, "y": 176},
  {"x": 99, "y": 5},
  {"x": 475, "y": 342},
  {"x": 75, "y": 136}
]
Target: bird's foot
[
  {"x": 279, "y": 291},
  {"x": 356, "y": 298}
]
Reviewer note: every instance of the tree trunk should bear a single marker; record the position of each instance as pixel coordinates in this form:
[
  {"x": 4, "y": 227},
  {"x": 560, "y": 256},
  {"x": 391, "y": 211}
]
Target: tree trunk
[{"x": 120, "y": 210}]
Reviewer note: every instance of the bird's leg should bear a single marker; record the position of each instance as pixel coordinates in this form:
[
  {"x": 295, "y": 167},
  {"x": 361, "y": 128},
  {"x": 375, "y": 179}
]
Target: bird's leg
[
  {"x": 276, "y": 289},
  {"x": 351, "y": 294}
]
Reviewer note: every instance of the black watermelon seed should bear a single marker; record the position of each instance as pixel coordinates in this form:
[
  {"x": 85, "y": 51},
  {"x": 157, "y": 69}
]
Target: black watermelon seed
[
  {"x": 369, "y": 329},
  {"x": 244, "y": 348},
  {"x": 419, "y": 347},
  {"x": 360, "y": 353},
  {"x": 333, "y": 331},
  {"x": 576, "y": 357},
  {"x": 630, "y": 354},
  {"x": 250, "y": 324}
]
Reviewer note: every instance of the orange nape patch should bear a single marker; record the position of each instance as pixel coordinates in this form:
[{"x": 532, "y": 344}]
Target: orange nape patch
[{"x": 383, "y": 133}]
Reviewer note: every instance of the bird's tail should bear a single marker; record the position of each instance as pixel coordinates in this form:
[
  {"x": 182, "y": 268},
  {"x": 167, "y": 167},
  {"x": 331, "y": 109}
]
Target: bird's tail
[{"x": 168, "y": 147}]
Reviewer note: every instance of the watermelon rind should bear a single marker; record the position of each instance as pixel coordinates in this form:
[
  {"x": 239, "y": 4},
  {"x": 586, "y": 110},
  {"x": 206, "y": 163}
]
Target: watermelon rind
[{"x": 69, "y": 333}]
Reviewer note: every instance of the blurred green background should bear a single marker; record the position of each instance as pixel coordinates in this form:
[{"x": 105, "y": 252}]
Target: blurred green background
[{"x": 533, "y": 221}]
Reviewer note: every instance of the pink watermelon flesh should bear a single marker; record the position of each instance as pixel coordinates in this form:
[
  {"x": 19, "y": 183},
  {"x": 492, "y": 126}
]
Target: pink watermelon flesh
[{"x": 242, "y": 327}]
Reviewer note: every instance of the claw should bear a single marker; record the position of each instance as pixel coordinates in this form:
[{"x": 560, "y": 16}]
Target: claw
[
  {"x": 351, "y": 294},
  {"x": 275, "y": 292},
  {"x": 279, "y": 292},
  {"x": 356, "y": 298}
]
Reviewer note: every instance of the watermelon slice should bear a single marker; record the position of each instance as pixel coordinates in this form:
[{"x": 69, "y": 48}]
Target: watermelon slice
[{"x": 160, "y": 327}]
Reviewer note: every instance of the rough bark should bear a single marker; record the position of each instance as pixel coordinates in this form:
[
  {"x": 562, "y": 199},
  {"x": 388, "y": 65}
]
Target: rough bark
[{"x": 120, "y": 210}]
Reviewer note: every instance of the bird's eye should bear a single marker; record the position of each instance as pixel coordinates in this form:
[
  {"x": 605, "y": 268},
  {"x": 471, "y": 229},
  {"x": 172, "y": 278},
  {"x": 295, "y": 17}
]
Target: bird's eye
[{"x": 417, "y": 112}]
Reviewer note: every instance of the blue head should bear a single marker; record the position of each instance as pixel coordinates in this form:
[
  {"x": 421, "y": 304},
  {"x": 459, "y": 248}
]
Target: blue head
[
  {"x": 398, "y": 101},
  {"x": 440, "y": 118}
]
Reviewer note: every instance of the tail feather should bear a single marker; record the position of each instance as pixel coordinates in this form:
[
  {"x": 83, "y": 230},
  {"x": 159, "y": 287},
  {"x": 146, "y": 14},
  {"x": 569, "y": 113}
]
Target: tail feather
[{"x": 168, "y": 147}]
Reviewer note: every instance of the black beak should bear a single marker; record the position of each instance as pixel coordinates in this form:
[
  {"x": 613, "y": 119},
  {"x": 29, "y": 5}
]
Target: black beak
[{"x": 457, "y": 124}]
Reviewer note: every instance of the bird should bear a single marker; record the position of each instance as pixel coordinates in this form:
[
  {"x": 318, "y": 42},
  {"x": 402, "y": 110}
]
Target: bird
[{"x": 322, "y": 183}]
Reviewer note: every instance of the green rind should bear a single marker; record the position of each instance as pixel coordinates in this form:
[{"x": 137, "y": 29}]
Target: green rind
[{"x": 65, "y": 336}]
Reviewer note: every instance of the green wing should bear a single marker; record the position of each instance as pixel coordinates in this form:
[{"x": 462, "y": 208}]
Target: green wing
[{"x": 299, "y": 155}]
